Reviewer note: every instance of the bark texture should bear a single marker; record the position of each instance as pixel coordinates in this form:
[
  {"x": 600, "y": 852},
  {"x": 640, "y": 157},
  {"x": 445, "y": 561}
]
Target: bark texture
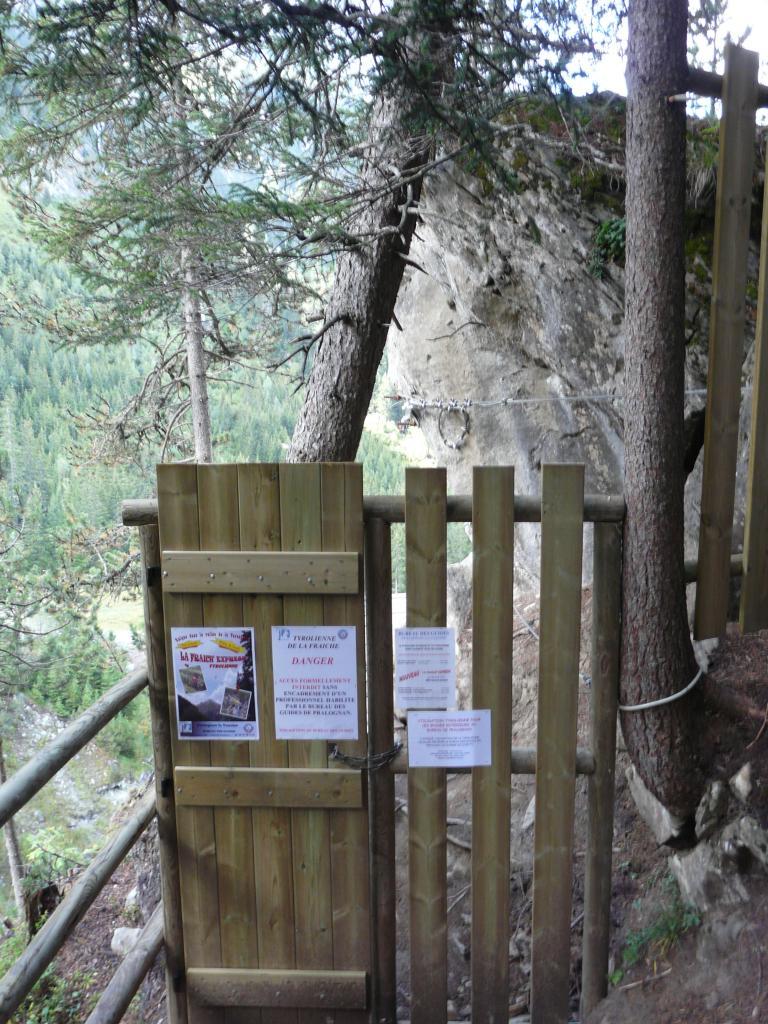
[
  {"x": 198, "y": 383},
  {"x": 363, "y": 298},
  {"x": 15, "y": 863},
  {"x": 657, "y": 656}
]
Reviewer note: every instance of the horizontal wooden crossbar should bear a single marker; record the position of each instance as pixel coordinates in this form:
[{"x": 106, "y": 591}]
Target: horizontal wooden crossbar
[
  {"x": 327, "y": 990},
  {"x": 391, "y": 508},
  {"x": 260, "y": 572},
  {"x": 268, "y": 787}
]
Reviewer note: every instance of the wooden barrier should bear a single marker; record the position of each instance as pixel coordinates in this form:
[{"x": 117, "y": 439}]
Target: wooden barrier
[
  {"x": 606, "y": 641},
  {"x": 154, "y": 634},
  {"x": 31, "y": 778},
  {"x": 493, "y": 521},
  {"x": 562, "y": 491},
  {"x": 726, "y": 342},
  {"x": 598, "y": 508},
  {"x": 16, "y": 985},
  {"x": 426, "y": 568},
  {"x": 125, "y": 982},
  {"x": 381, "y": 784},
  {"x": 753, "y": 614}
]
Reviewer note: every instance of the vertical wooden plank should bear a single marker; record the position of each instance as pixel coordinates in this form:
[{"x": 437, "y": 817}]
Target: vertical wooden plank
[
  {"x": 726, "y": 340},
  {"x": 562, "y": 511},
  {"x": 300, "y": 525},
  {"x": 220, "y": 531},
  {"x": 259, "y": 498},
  {"x": 198, "y": 878},
  {"x": 381, "y": 784},
  {"x": 341, "y": 487},
  {"x": 753, "y": 614},
  {"x": 606, "y": 636},
  {"x": 426, "y": 574},
  {"x": 154, "y": 633},
  {"x": 493, "y": 520}
]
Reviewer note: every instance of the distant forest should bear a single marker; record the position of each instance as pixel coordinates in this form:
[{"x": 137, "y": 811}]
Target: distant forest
[{"x": 62, "y": 480}]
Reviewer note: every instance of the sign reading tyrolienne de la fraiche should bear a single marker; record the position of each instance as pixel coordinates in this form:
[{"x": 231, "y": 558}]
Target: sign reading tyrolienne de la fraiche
[{"x": 315, "y": 682}]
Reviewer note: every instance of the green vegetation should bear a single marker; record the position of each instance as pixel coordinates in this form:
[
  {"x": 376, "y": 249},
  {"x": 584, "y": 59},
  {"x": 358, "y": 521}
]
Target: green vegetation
[
  {"x": 608, "y": 245},
  {"x": 54, "y": 999},
  {"x": 654, "y": 941}
]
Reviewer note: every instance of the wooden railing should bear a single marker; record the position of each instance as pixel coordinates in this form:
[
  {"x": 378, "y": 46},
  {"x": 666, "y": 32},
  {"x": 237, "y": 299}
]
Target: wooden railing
[
  {"x": 16, "y": 985},
  {"x": 164, "y": 926}
]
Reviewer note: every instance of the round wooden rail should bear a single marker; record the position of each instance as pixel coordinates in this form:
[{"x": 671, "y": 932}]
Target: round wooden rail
[
  {"x": 16, "y": 985},
  {"x": 117, "y": 996},
  {"x": 391, "y": 509},
  {"x": 31, "y": 778}
]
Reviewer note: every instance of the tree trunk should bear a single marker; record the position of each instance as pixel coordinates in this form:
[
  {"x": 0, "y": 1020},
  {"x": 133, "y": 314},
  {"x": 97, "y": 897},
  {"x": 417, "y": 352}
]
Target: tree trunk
[
  {"x": 198, "y": 384},
  {"x": 657, "y": 656},
  {"x": 15, "y": 863},
  {"x": 362, "y": 300}
]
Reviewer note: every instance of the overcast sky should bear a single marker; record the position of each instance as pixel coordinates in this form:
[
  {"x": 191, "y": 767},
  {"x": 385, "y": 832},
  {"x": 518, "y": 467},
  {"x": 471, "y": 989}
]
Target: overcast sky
[{"x": 608, "y": 74}]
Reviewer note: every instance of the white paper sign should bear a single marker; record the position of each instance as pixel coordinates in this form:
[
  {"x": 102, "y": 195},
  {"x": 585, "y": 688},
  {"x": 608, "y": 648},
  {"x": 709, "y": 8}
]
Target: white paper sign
[
  {"x": 425, "y": 661},
  {"x": 215, "y": 677},
  {"x": 449, "y": 739},
  {"x": 315, "y": 673}
]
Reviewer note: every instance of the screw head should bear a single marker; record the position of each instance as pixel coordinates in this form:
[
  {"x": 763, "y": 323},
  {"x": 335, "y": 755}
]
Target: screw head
[{"x": 212, "y": 575}]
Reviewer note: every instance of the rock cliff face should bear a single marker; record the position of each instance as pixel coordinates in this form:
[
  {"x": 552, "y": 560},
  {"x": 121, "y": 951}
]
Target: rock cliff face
[{"x": 516, "y": 326}]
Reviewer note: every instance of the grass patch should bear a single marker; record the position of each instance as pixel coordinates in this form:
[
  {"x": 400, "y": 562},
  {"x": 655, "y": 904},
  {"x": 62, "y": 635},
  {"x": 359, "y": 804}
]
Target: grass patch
[{"x": 654, "y": 942}]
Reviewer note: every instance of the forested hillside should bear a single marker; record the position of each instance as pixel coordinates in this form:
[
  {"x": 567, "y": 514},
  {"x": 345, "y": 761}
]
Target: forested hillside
[{"x": 62, "y": 478}]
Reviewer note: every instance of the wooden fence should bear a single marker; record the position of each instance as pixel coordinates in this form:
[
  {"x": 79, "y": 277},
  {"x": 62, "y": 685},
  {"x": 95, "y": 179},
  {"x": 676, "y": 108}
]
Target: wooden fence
[
  {"x": 493, "y": 509},
  {"x": 741, "y": 95}
]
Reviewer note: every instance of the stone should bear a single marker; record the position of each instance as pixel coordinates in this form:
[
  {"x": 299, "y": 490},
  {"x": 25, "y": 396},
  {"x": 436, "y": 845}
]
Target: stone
[
  {"x": 664, "y": 825},
  {"x": 504, "y": 311},
  {"x": 124, "y": 940},
  {"x": 748, "y": 834},
  {"x": 706, "y": 880},
  {"x": 131, "y": 905},
  {"x": 741, "y": 783},
  {"x": 709, "y": 813},
  {"x": 529, "y": 817}
]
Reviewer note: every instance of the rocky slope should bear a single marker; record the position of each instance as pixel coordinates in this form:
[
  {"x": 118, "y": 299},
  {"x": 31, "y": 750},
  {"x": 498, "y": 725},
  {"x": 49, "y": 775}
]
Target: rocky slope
[{"x": 517, "y": 303}]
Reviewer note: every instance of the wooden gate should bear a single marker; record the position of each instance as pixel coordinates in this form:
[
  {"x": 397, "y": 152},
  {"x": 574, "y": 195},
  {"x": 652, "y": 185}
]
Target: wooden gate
[
  {"x": 273, "y": 848},
  {"x": 287, "y": 914}
]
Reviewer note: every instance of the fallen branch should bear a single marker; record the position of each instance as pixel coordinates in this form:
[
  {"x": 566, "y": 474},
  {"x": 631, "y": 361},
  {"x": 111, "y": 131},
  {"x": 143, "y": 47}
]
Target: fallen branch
[{"x": 643, "y": 981}]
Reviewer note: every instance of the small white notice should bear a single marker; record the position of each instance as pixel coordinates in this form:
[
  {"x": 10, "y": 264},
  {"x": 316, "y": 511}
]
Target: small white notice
[
  {"x": 449, "y": 739},
  {"x": 315, "y": 680},
  {"x": 425, "y": 661}
]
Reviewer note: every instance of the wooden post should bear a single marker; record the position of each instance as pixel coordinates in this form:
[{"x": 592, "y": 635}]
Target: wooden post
[
  {"x": 754, "y": 585},
  {"x": 12, "y": 849},
  {"x": 381, "y": 784},
  {"x": 154, "y": 632},
  {"x": 198, "y": 878},
  {"x": 301, "y": 530},
  {"x": 341, "y": 488},
  {"x": 606, "y": 636},
  {"x": 493, "y": 516},
  {"x": 562, "y": 505},
  {"x": 426, "y": 571},
  {"x": 726, "y": 340}
]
